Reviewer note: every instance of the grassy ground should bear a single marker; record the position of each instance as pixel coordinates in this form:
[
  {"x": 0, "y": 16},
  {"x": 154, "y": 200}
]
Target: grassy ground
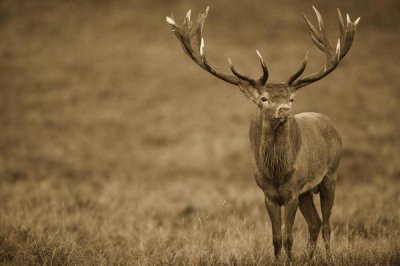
[{"x": 116, "y": 149}]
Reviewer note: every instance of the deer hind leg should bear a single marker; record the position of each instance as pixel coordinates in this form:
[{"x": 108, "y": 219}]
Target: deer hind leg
[
  {"x": 307, "y": 208},
  {"x": 327, "y": 194}
]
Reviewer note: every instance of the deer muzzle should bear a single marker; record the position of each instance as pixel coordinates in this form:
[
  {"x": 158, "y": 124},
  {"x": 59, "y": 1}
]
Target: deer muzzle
[{"x": 284, "y": 111}]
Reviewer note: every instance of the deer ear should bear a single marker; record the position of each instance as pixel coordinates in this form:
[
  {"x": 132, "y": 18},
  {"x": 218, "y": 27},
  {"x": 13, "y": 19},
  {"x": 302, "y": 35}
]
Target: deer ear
[{"x": 250, "y": 92}]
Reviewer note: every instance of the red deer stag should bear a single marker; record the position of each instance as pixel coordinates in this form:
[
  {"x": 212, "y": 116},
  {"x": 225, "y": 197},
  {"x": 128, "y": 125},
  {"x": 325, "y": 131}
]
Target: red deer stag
[{"x": 295, "y": 155}]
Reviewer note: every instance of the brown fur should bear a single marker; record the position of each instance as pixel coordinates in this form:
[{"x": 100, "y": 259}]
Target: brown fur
[
  {"x": 278, "y": 152},
  {"x": 292, "y": 160}
]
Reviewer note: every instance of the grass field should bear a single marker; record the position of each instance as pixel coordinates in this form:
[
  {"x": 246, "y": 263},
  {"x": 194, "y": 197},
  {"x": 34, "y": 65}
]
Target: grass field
[{"x": 116, "y": 149}]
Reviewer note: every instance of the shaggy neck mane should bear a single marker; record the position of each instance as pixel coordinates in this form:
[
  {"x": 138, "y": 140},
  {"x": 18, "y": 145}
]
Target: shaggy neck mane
[{"x": 279, "y": 150}]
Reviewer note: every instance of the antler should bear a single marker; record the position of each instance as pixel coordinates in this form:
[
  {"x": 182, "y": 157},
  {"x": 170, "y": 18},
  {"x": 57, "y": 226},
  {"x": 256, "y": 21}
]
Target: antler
[
  {"x": 333, "y": 56},
  {"x": 190, "y": 35}
]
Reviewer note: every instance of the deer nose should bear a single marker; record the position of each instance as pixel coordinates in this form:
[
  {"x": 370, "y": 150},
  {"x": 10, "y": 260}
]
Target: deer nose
[{"x": 283, "y": 110}]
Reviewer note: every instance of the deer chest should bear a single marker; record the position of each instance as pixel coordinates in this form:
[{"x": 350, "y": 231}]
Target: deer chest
[{"x": 276, "y": 191}]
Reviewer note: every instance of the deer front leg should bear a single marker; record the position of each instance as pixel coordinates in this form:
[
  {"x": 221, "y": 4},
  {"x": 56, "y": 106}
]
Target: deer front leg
[
  {"x": 274, "y": 211},
  {"x": 290, "y": 214}
]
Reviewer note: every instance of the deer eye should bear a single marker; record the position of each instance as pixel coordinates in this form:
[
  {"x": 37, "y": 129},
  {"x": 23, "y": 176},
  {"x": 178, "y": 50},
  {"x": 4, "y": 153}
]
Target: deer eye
[
  {"x": 291, "y": 100},
  {"x": 264, "y": 99}
]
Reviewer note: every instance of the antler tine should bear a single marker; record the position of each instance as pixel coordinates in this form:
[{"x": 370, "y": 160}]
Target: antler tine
[
  {"x": 356, "y": 22},
  {"x": 300, "y": 71},
  {"x": 320, "y": 39},
  {"x": 322, "y": 35},
  {"x": 187, "y": 17},
  {"x": 314, "y": 34},
  {"x": 263, "y": 79},
  {"x": 347, "y": 37},
  {"x": 341, "y": 23},
  {"x": 237, "y": 74}
]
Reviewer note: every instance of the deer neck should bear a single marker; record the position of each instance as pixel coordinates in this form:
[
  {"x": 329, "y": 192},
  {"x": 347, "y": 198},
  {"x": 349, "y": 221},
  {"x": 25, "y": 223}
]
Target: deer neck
[{"x": 278, "y": 149}]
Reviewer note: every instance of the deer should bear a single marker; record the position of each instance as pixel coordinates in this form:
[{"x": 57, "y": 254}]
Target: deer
[{"x": 295, "y": 155}]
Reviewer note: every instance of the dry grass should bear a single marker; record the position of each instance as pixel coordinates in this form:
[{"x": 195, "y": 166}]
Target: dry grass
[
  {"x": 116, "y": 149},
  {"x": 187, "y": 222}
]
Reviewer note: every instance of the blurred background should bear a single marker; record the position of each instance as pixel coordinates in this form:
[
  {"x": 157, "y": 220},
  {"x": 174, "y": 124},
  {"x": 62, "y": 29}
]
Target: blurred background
[{"x": 115, "y": 148}]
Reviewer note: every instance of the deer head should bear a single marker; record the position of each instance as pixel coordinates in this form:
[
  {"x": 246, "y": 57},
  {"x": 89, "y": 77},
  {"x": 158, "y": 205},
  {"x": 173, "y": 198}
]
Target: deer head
[{"x": 274, "y": 98}]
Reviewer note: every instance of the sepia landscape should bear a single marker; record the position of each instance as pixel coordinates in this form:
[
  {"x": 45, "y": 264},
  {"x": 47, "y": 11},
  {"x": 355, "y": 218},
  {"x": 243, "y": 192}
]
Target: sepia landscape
[{"x": 115, "y": 148}]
